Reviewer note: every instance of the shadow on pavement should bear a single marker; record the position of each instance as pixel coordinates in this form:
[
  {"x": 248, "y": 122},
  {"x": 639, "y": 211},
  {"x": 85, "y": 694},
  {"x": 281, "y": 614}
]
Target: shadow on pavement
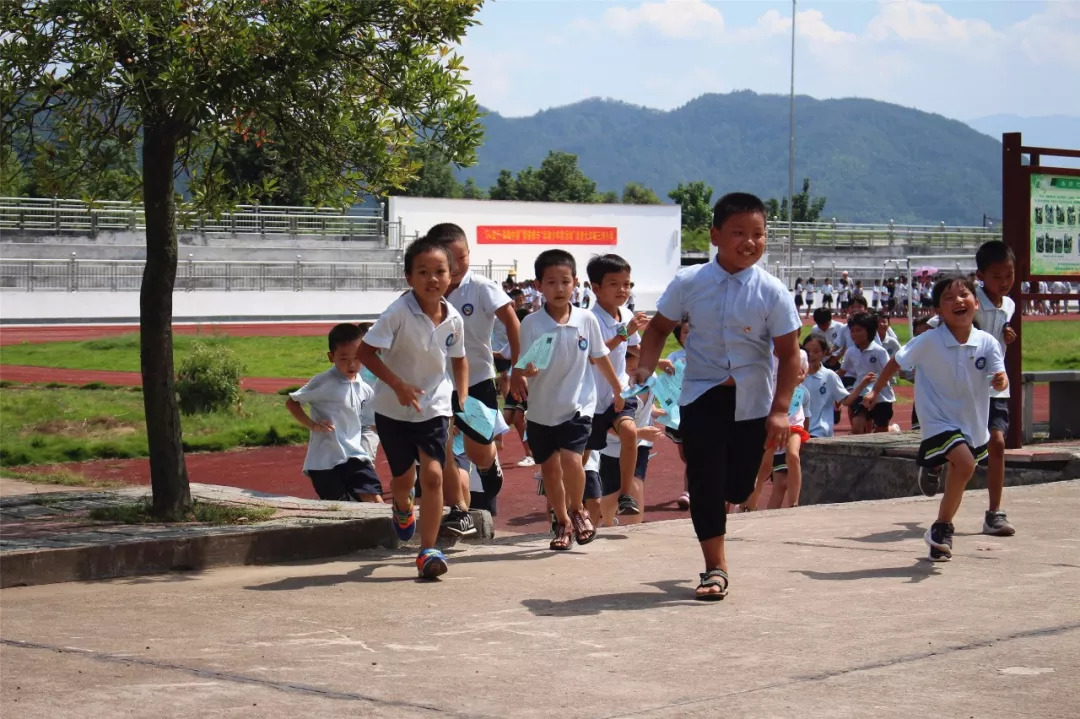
[
  {"x": 914, "y": 573},
  {"x": 911, "y": 530},
  {"x": 672, "y": 591}
]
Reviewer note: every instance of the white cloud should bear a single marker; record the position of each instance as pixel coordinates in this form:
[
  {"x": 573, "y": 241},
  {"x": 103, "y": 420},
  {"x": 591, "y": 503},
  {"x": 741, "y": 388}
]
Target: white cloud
[
  {"x": 671, "y": 18},
  {"x": 911, "y": 20}
]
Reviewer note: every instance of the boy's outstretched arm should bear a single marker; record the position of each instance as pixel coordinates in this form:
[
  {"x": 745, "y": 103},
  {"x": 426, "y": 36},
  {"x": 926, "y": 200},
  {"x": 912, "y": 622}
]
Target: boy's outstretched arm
[
  {"x": 777, "y": 427},
  {"x": 407, "y": 394},
  {"x": 297, "y": 411},
  {"x": 460, "y": 367},
  {"x": 652, "y": 343},
  {"x": 604, "y": 365},
  {"x": 853, "y": 395},
  {"x": 883, "y": 379},
  {"x": 510, "y": 321}
]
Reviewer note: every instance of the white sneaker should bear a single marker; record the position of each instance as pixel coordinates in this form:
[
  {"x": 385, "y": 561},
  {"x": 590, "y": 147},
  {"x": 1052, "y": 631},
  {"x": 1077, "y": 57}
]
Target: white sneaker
[{"x": 527, "y": 462}]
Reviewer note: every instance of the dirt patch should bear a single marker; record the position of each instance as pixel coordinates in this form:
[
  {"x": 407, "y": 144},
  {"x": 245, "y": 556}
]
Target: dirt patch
[{"x": 93, "y": 427}]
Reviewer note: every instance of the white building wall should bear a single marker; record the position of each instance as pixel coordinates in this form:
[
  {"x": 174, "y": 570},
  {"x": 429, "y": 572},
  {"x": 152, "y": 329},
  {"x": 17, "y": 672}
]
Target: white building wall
[{"x": 647, "y": 236}]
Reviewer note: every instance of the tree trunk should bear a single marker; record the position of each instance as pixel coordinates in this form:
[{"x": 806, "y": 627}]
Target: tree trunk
[{"x": 168, "y": 472}]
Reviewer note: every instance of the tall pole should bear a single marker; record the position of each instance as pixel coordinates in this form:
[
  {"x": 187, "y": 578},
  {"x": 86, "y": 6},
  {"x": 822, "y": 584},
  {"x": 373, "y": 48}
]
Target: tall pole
[{"x": 791, "y": 148}]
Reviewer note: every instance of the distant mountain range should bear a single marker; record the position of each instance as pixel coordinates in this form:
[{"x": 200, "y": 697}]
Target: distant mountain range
[
  {"x": 1058, "y": 131},
  {"x": 873, "y": 160}
]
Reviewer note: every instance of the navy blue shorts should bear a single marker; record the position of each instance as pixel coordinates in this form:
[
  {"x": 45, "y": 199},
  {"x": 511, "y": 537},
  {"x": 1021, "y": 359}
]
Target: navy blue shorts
[
  {"x": 933, "y": 451},
  {"x": 346, "y": 481},
  {"x": 604, "y": 421},
  {"x": 999, "y": 415},
  {"x": 593, "y": 487},
  {"x": 611, "y": 474},
  {"x": 404, "y": 441},
  {"x": 881, "y": 413},
  {"x": 545, "y": 440}
]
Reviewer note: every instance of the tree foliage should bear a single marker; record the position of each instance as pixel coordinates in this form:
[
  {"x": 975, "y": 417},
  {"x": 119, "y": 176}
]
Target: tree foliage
[
  {"x": 807, "y": 208},
  {"x": 339, "y": 90},
  {"x": 434, "y": 177},
  {"x": 637, "y": 194},
  {"x": 558, "y": 180}
]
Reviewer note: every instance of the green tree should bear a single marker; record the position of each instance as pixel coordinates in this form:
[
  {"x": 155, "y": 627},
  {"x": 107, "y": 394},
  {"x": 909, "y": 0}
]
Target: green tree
[
  {"x": 435, "y": 177},
  {"x": 807, "y": 208},
  {"x": 470, "y": 191},
  {"x": 342, "y": 89},
  {"x": 557, "y": 180},
  {"x": 637, "y": 194},
  {"x": 695, "y": 200},
  {"x": 608, "y": 198}
]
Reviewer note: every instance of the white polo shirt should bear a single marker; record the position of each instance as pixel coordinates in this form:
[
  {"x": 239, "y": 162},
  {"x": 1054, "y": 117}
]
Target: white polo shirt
[
  {"x": 609, "y": 327},
  {"x": 952, "y": 381},
  {"x": 347, "y": 405},
  {"x": 992, "y": 320},
  {"x": 823, "y": 389},
  {"x": 566, "y": 387},
  {"x": 417, "y": 350},
  {"x": 859, "y": 363},
  {"x": 477, "y": 299},
  {"x": 836, "y": 335},
  {"x": 733, "y": 320}
]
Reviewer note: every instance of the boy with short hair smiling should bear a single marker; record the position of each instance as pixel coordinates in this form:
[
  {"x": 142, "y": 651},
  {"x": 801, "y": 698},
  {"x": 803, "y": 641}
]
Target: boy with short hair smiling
[
  {"x": 867, "y": 357},
  {"x": 956, "y": 366},
  {"x": 730, "y": 411},
  {"x": 417, "y": 334},
  {"x": 339, "y": 462},
  {"x": 562, "y": 397},
  {"x": 610, "y": 278}
]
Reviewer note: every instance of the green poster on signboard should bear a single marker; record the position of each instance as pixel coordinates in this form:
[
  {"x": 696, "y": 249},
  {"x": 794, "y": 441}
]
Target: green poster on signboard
[{"x": 1055, "y": 224}]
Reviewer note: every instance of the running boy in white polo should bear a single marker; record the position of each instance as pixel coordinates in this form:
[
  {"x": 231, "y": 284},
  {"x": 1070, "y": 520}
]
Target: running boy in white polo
[
  {"x": 824, "y": 390},
  {"x": 562, "y": 397},
  {"x": 610, "y": 276},
  {"x": 338, "y": 461},
  {"x": 956, "y": 366},
  {"x": 416, "y": 334},
  {"x": 730, "y": 411},
  {"x": 480, "y": 301},
  {"x": 863, "y": 358}
]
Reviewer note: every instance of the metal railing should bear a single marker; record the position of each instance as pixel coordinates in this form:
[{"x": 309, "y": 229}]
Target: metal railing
[
  {"x": 75, "y": 275},
  {"x": 77, "y": 217},
  {"x": 869, "y": 235}
]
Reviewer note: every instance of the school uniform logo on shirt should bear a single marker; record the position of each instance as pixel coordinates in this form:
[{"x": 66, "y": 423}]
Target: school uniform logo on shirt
[
  {"x": 450, "y": 339},
  {"x": 980, "y": 363},
  {"x": 467, "y": 309},
  {"x": 582, "y": 343},
  {"x": 873, "y": 360},
  {"x": 823, "y": 389}
]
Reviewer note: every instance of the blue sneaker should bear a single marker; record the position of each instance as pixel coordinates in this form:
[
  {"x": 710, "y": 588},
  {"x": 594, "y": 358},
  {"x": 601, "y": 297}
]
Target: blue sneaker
[
  {"x": 430, "y": 563},
  {"x": 404, "y": 521}
]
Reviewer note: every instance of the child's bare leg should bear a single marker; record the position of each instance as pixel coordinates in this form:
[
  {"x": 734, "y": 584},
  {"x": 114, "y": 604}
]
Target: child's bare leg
[
  {"x": 554, "y": 488},
  {"x": 573, "y": 480},
  {"x": 637, "y": 491},
  {"x": 995, "y": 469},
  {"x": 713, "y": 551},
  {"x": 609, "y": 507},
  {"x": 764, "y": 470},
  {"x": 431, "y": 503},
  {"x": 595, "y": 510},
  {"x": 455, "y": 481},
  {"x": 961, "y": 468},
  {"x": 627, "y": 432},
  {"x": 794, "y": 467},
  {"x": 779, "y": 489}
]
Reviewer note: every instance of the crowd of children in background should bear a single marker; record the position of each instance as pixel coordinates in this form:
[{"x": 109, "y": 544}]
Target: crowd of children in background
[{"x": 570, "y": 367}]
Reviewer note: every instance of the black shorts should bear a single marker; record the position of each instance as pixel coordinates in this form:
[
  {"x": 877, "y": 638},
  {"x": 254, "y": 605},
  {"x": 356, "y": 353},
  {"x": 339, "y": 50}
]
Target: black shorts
[
  {"x": 826, "y": 299},
  {"x": 604, "y": 421},
  {"x": 593, "y": 487},
  {"x": 545, "y": 440},
  {"x": 502, "y": 364},
  {"x": 346, "y": 481},
  {"x": 487, "y": 393},
  {"x": 513, "y": 403},
  {"x": 779, "y": 462},
  {"x": 673, "y": 434},
  {"x": 881, "y": 413},
  {"x": 404, "y": 441},
  {"x": 611, "y": 474},
  {"x": 999, "y": 415},
  {"x": 798, "y": 300},
  {"x": 933, "y": 451}
]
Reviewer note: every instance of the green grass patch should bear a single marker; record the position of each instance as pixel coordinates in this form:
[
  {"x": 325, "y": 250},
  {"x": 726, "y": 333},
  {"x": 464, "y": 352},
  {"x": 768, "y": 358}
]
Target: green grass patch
[
  {"x": 64, "y": 477},
  {"x": 47, "y": 426},
  {"x": 262, "y": 356},
  {"x": 203, "y": 512}
]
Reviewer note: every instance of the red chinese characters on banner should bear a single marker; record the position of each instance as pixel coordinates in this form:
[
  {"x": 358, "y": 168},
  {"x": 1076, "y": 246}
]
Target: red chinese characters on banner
[{"x": 533, "y": 235}]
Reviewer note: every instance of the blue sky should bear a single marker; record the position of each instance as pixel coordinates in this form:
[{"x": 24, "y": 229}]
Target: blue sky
[{"x": 960, "y": 59}]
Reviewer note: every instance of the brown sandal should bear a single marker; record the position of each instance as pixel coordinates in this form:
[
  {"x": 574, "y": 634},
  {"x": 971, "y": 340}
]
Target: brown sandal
[
  {"x": 563, "y": 539},
  {"x": 584, "y": 531}
]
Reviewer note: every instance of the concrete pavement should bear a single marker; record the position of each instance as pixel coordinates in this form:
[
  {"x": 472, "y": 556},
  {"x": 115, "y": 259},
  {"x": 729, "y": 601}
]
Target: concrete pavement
[{"x": 832, "y": 613}]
